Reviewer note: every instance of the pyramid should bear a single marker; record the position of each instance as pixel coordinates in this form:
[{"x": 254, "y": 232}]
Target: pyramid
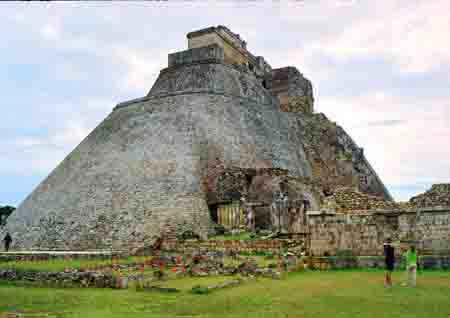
[{"x": 218, "y": 125}]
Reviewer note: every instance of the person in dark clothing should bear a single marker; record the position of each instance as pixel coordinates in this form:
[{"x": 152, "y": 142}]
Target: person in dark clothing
[
  {"x": 389, "y": 258},
  {"x": 306, "y": 205},
  {"x": 7, "y": 240}
]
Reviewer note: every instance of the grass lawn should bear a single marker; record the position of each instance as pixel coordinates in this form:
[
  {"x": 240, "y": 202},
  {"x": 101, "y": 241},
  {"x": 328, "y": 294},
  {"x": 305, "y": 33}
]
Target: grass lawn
[
  {"x": 58, "y": 265},
  {"x": 186, "y": 283},
  {"x": 331, "y": 294}
]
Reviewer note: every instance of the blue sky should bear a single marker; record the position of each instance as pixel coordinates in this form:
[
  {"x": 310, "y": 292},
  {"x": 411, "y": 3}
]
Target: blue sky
[{"x": 381, "y": 71}]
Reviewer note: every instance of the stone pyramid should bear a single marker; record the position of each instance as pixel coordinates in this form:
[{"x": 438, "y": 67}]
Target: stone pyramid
[{"x": 218, "y": 125}]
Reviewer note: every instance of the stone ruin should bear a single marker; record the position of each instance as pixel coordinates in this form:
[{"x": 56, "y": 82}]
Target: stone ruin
[
  {"x": 350, "y": 200},
  {"x": 221, "y": 137},
  {"x": 438, "y": 195}
]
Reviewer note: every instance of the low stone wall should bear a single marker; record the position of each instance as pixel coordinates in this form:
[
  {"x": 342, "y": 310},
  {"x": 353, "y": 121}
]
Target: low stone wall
[
  {"x": 436, "y": 262},
  {"x": 250, "y": 246},
  {"x": 62, "y": 279},
  {"x": 55, "y": 255},
  {"x": 363, "y": 234}
]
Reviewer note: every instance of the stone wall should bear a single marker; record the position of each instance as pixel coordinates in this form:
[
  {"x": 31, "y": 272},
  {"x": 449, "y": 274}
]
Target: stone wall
[
  {"x": 62, "y": 279},
  {"x": 436, "y": 262},
  {"x": 439, "y": 194},
  {"x": 210, "y": 78},
  {"x": 292, "y": 89},
  {"x": 430, "y": 227},
  {"x": 365, "y": 233},
  {"x": 251, "y": 246},
  {"x": 196, "y": 38},
  {"x": 232, "y": 46},
  {"x": 57, "y": 255},
  {"x": 211, "y": 53}
]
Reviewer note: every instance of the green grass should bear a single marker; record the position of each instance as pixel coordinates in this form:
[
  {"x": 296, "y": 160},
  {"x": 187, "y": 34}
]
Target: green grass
[
  {"x": 244, "y": 236},
  {"x": 261, "y": 261},
  {"x": 331, "y": 294},
  {"x": 57, "y": 265},
  {"x": 186, "y": 283}
]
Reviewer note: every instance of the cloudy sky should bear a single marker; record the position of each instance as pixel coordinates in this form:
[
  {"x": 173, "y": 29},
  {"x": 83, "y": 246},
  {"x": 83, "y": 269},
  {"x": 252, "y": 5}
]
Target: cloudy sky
[{"x": 380, "y": 71}]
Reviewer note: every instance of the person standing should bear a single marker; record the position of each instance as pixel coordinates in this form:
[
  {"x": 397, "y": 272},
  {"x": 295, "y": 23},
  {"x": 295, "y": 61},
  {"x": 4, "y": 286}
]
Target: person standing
[
  {"x": 7, "y": 240},
  {"x": 411, "y": 265},
  {"x": 389, "y": 258}
]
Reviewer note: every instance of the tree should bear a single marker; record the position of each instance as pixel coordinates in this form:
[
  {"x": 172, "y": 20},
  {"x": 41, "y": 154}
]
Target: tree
[{"x": 5, "y": 211}]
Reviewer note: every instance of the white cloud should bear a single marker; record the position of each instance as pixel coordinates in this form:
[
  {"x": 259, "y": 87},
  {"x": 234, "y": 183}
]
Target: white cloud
[
  {"x": 409, "y": 143},
  {"x": 413, "y": 37},
  {"x": 28, "y": 155},
  {"x": 143, "y": 66},
  {"x": 50, "y": 32}
]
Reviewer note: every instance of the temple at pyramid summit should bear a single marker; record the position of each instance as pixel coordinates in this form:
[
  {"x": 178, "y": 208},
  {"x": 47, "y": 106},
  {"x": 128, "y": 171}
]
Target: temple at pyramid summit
[{"x": 222, "y": 139}]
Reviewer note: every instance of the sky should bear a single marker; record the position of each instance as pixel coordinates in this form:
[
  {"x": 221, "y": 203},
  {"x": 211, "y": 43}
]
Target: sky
[{"x": 380, "y": 69}]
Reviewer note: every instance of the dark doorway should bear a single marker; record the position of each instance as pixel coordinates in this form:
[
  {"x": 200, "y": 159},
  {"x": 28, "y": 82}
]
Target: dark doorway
[
  {"x": 264, "y": 84},
  {"x": 213, "y": 213}
]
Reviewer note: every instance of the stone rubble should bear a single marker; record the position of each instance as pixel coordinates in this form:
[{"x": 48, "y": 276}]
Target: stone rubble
[
  {"x": 349, "y": 200},
  {"x": 438, "y": 195}
]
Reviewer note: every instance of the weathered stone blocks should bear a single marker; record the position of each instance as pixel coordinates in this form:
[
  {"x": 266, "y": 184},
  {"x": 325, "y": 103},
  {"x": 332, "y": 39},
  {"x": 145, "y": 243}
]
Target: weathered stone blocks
[{"x": 365, "y": 233}]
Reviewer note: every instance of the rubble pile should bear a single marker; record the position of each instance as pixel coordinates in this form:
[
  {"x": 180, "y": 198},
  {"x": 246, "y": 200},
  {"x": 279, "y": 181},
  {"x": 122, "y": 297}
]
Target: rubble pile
[
  {"x": 346, "y": 199},
  {"x": 438, "y": 195}
]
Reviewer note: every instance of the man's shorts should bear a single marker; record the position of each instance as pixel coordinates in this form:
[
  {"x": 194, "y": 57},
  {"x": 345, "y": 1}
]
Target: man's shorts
[{"x": 390, "y": 266}]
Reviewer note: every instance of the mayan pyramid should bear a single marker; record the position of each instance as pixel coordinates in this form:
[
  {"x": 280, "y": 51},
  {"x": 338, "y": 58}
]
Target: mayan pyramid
[{"x": 218, "y": 124}]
